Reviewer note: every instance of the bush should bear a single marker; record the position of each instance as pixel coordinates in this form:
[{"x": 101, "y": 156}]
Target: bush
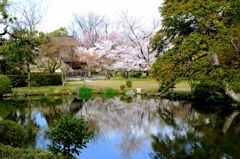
[
  {"x": 46, "y": 79},
  {"x": 85, "y": 93},
  {"x": 129, "y": 84},
  {"x": 8, "y": 152},
  {"x": 5, "y": 85},
  {"x": 136, "y": 74},
  {"x": 70, "y": 135},
  {"x": 18, "y": 80},
  {"x": 36, "y": 80},
  {"x": 208, "y": 92},
  {"x": 122, "y": 87},
  {"x": 12, "y": 134},
  {"x": 109, "y": 91}
]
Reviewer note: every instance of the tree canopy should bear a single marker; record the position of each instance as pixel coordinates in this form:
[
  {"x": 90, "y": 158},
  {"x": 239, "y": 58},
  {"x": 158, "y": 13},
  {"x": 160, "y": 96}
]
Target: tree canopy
[{"x": 198, "y": 40}]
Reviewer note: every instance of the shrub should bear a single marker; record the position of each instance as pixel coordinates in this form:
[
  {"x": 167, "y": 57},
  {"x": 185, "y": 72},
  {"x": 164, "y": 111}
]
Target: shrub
[
  {"x": 129, "y": 84},
  {"x": 12, "y": 134},
  {"x": 208, "y": 92},
  {"x": 136, "y": 74},
  {"x": 109, "y": 93},
  {"x": 5, "y": 85},
  {"x": 85, "y": 93},
  {"x": 70, "y": 135},
  {"x": 36, "y": 80},
  {"x": 18, "y": 80},
  {"x": 122, "y": 87},
  {"x": 8, "y": 152},
  {"x": 46, "y": 79}
]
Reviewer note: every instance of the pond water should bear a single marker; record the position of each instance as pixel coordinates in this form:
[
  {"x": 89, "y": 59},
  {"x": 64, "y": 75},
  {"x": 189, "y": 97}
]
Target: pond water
[{"x": 135, "y": 128}]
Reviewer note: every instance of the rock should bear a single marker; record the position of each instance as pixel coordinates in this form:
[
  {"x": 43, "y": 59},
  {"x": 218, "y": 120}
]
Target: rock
[
  {"x": 140, "y": 91},
  {"x": 130, "y": 93}
]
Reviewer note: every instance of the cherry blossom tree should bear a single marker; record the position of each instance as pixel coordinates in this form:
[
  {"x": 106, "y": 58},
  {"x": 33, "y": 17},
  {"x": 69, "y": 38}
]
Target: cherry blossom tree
[
  {"x": 125, "y": 48},
  {"x": 137, "y": 35}
]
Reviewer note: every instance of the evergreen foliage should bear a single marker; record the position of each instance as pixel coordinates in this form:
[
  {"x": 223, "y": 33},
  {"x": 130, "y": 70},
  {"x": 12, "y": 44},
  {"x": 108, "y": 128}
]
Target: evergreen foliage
[
  {"x": 198, "y": 40},
  {"x": 5, "y": 85},
  {"x": 70, "y": 135}
]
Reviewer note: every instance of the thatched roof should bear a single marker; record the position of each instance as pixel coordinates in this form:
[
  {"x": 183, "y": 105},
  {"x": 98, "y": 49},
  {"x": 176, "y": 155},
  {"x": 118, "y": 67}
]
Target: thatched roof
[{"x": 64, "y": 41}]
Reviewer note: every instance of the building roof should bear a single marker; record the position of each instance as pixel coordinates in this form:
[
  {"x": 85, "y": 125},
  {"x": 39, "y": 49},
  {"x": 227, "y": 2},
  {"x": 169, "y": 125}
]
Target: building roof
[{"x": 64, "y": 41}]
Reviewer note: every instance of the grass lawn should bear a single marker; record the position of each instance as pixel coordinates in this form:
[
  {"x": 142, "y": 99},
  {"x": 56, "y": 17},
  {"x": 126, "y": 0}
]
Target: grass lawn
[{"x": 147, "y": 84}]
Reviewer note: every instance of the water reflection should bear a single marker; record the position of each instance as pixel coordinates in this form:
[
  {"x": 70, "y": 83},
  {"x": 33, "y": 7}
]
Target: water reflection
[{"x": 134, "y": 127}]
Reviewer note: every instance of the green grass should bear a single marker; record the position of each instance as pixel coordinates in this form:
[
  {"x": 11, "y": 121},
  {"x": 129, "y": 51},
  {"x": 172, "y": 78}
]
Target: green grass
[
  {"x": 71, "y": 87},
  {"x": 85, "y": 93},
  {"x": 109, "y": 91},
  {"x": 46, "y": 90},
  {"x": 182, "y": 86}
]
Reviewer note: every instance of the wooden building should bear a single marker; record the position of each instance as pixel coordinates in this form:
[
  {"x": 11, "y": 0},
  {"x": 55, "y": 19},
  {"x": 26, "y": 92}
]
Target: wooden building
[{"x": 65, "y": 49}]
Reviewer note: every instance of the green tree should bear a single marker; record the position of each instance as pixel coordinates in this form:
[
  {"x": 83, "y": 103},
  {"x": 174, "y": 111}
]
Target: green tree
[
  {"x": 62, "y": 31},
  {"x": 47, "y": 60},
  {"x": 198, "y": 40},
  {"x": 5, "y": 85},
  {"x": 21, "y": 50},
  {"x": 4, "y": 17},
  {"x": 70, "y": 135}
]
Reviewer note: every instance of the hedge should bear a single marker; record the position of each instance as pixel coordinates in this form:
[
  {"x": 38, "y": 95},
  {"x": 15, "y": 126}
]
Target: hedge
[
  {"x": 47, "y": 79},
  {"x": 5, "y": 85},
  {"x": 36, "y": 80},
  {"x": 18, "y": 80}
]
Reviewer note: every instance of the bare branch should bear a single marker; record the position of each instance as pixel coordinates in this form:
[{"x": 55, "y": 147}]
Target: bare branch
[
  {"x": 89, "y": 27},
  {"x": 29, "y": 14},
  {"x": 235, "y": 46}
]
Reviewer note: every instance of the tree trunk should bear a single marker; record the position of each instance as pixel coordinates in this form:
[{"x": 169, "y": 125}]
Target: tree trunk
[
  {"x": 89, "y": 70},
  {"x": 62, "y": 75},
  {"x": 147, "y": 73},
  {"x": 228, "y": 91},
  {"x": 229, "y": 121},
  {"x": 28, "y": 76}
]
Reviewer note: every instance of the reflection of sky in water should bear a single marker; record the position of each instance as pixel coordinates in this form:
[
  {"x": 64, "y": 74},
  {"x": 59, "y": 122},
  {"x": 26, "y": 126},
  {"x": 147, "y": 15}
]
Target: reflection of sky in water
[
  {"x": 109, "y": 148},
  {"x": 125, "y": 129},
  {"x": 39, "y": 119}
]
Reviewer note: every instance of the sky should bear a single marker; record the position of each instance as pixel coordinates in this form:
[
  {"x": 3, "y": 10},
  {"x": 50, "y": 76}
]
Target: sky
[{"x": 58, "y": 13}]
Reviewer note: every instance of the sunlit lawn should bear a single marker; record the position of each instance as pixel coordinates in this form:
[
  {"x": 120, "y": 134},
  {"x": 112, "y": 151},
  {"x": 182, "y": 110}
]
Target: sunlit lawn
[
  {"x": 182, "y": 86},
  {"x": 148, "y": 84}
]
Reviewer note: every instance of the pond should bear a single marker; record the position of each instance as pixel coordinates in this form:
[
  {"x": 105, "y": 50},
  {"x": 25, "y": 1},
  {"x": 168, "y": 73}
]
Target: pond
[{"x": 135, "y": 128}]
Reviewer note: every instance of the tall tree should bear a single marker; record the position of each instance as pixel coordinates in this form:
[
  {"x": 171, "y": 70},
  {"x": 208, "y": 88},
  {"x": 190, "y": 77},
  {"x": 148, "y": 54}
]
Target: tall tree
[
  {"x": 137, "y": 34},
  {"x": 28, "y": 13},
  {"x": 20, "y": 51},
  {"x": 89, "y": 28},
  {"x": 47, "y": 61},
  {"x": 194, "y": 41}
]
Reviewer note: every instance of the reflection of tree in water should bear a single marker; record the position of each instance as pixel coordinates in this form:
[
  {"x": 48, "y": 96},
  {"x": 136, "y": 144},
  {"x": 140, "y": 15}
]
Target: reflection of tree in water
[
  {"x": 68, "y": 106},
  {"x": 130, "y": 144},
  {"x": 134, "y": 121},
  {"x": 22, "y": 114},
  {"x": 25, "y": 111},
  {"x": 205, "y": 140}
]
